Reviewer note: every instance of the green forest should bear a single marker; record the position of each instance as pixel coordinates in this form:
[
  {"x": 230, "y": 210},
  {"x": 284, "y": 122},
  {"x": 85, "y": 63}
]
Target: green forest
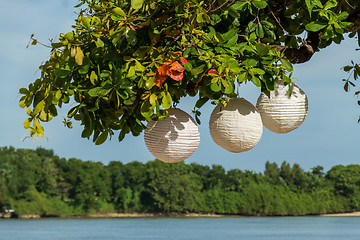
[{"x": 39, "y": 182}]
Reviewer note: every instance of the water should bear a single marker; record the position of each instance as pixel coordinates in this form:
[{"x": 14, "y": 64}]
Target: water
[{"x": 254, "y": 228}]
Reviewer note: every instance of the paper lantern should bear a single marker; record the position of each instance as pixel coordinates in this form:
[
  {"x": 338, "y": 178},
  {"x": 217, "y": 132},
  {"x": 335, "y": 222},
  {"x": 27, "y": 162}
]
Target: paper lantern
[
  {"x": 172, "y": 139},
  {"x": 236, "y": 127},
  {"x": 282, "y": 113}
]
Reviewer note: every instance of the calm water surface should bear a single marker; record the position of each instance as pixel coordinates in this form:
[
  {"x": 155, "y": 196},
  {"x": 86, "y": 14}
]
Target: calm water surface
[{"x": 255, "y": 228}]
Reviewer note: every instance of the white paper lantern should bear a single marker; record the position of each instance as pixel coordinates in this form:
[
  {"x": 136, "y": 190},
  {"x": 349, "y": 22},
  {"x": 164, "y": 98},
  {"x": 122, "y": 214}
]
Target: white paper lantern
[
  {"x": 236, "y": 127},
  {"x": 172, "y": 139},
  {"x": 282, "y": 113}
]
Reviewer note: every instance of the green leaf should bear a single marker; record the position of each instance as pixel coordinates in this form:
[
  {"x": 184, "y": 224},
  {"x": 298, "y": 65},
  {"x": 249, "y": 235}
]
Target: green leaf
[
  {"x": 233, "y": 12},
  {"x": 137, "y": 4},
  {"x": 39, "y": 107},
  {"x": 79, "y": 56},
  {"x": 198, "y": 70},
  {"x": 23, "y": 91},
  {"x": 250, "y": 27},
  {"x": 27, "y": 123},
  {"x": 342, "y": 16},
  {"x": 84, "y": 69},
  {"x": 201, "y": 102},
  {"x": 56, "y": 97},
  {"x": 259, "y": 4},
  {"x": 99, "y": 43},
  {"x": 215, "y": 86},
  {"x": 310, "y": 5},
  {"x": 256, "y": 81},
  {"x": 202, "y": 18},
  {"x": 57, "y": 45},
  {"x": 239, "y": 5},
  {"x": 28, "y": 111},
  {"x": 45, "y": 117},
  {"x": 64, "y": 72},
  {"x": 101, "y": 138},
  {"x": 230, "y": 34},
  {"x": 291, "y": 41},
  {"x": 69, "y": 36},
  {"x": 330, "y": 4},
  {"x": 99, "y": 92},
  {"x": 258, "y": 71},
  {"x": 86, "y": 133},
  {"x": 147, "y": 109},
  {"x": 328, "y": 33},
  {"x": 131, "y": 37},
  {"x": 139, "y": 67},
  {"x": 119, "y": 11},
  {"x": 121, "y": 135},
  {"x": 72, "y": 111},
  {"x": 93, "y": 78},
  {"x": 38, "y": 129},
  {"x": 348, "y": 68},
  {"x": 242, "y": 77},
  {"x": 315, "y": 26},
  {"x": 287, "y": 65},
  {"x": 215, "y": 19},
  {"x": 318, "y": 3},
  {"x": 86, "y": 22},
  {"x": 259, "y": 30},
  {"x": 262, "y": 49},
  {"x": 166, "y": 101}
]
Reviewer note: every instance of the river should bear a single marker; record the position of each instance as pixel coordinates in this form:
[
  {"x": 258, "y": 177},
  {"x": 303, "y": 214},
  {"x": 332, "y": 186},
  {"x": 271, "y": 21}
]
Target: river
[{"x": 228, "y": 228}]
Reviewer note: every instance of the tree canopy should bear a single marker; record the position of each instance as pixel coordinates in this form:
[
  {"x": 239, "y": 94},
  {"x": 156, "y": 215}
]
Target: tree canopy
[
  {"x": 126, "y": 60},
  {"x": 39, "y": 182}
]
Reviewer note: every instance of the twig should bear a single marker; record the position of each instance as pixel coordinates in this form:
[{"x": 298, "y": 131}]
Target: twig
[
  {"x": 35, "y": 41},
  {"x": 349, "y": 4},
  {"x": 175, "y": 39},
  {"x": 276, "y": 19},
  {"x": 219, "y": 7}
]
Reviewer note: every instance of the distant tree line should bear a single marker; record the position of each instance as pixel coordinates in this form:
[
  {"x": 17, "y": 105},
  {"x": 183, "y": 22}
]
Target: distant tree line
[{"x": 38, "y": 182}]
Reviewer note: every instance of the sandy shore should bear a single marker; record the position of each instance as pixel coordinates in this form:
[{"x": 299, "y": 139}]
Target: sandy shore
[
  {"x": 352, "y": 214},
  {"x": 142, "y": 215}
]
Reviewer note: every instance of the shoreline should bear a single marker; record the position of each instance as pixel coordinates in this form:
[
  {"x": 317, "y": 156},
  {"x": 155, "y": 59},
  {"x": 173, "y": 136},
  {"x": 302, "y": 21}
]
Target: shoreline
[
  {"x": 350, "y": 214},
  {"x": 185, "y": 215}
]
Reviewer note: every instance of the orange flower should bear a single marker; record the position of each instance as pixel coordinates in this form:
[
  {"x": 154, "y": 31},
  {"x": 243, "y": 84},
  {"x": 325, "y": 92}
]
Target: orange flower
[
  {"x": 161, "y": 73},
  {"x": 176, "y": 71}
]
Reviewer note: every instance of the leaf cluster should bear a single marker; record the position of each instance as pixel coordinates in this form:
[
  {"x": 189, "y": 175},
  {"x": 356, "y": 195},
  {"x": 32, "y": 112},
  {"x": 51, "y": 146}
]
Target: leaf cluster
[{"x": 109, "y": 65}]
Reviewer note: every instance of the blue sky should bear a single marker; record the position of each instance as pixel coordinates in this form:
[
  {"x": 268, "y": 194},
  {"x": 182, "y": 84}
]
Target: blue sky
[{"x": 329, "y": 135}]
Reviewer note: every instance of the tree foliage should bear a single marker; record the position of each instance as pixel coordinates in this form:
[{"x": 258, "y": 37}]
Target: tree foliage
[
  {"x": 38, "y": 182},
  {"x": 125, "y": 61}
]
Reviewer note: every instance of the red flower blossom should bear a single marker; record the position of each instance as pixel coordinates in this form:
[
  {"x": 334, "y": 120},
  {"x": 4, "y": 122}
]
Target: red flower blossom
[{"x": 213, "y": 71}]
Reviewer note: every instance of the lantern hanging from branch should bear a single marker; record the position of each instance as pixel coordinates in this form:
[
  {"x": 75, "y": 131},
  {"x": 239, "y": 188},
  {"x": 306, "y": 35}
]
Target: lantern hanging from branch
[
  {"x": 174, "y": 138},
  {"x": 236, "y": 127},
  {"x": 281, "y": 112}
]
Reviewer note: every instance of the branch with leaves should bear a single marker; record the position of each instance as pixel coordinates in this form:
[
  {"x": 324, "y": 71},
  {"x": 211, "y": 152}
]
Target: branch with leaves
[{"x": 126, "y": 62}]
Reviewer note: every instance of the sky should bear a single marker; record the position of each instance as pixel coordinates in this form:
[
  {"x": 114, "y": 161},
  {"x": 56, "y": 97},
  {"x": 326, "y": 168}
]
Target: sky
[{"x": 330, "y": 135}]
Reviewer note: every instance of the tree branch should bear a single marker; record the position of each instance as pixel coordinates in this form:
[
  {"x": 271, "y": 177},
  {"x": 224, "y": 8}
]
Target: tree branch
[
  {"x": 305, "y": 52},
  {"x": 354, "y": 18}
]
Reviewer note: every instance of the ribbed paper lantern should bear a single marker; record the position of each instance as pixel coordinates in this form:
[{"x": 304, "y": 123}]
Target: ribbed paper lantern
[
  {"x": 282, "y": 113},
  {"x": 236, "y": 127},
  {"x": 172, "y": 139}
]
